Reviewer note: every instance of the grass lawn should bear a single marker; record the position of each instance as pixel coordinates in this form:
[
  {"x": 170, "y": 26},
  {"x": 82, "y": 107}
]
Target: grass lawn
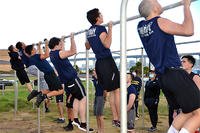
[{"x": 26, "y": 117}]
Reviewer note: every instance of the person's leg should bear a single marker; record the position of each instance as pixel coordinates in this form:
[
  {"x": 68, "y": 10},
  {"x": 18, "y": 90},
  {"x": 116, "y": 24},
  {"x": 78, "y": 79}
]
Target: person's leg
[
  {"x": 47, "y": 103},
  {"x": 154, "y": 116},
  {"x": 170, "y": 115},
  {"x": 75, "y": 112},
  {"x": 192, "y": 122},
  {"x": 117, "y": 102},
  {"x": 82, "y": 109},
  {"x": 98, "y": 124},
  {"x": 29, "y": 86},
  {"x": 179, "y": 121},
  {"x": 136, "y": 106},
  {"x": 101, "y": 121},
  {"x": 113, "y": 107},
  {"x": 61, "y": 118}
]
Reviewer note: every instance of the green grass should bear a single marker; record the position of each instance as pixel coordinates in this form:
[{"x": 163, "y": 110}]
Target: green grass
[{"x": 7, "y": 105}]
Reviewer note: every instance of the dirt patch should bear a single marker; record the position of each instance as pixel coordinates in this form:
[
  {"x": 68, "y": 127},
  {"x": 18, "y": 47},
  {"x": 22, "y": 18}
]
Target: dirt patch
[{"x": 27, "y": 123}]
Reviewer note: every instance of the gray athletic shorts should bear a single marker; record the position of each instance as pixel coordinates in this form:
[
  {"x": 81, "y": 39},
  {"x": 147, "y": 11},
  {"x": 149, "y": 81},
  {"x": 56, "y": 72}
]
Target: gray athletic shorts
[
  {"x": 34, "y": 71},
  {"x": 131, "y": 117},
  {"x": 98, "y": 105}
]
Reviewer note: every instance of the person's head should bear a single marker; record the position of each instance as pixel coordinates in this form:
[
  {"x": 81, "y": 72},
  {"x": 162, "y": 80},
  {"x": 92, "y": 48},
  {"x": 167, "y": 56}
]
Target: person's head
[
  {"x": 11, "y": 48},
  {"x": 20, "y": 45},
  {"x": 187, "y": 62},
  {"x": 152, "y": 74},
  {"x": 55, "y": 43},
  {"x": 94, "y": 16},
  {"x": 147, "y": 7},
  {"x": 94, "y": 74},
  {"x": 129, "y": 78},
  {"x": 30, "y": 50}
]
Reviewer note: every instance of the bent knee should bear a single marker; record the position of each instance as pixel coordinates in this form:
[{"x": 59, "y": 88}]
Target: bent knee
[{"x": 196, "y": 112}]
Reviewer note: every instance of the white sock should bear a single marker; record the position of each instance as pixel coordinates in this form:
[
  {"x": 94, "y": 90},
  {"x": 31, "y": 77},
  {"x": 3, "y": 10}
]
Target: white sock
[
  {"x": 183, "y": 130},
  {"x": 172, "y": 130}
]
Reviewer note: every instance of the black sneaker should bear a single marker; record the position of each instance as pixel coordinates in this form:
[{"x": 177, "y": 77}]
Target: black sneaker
[
  {"x": 130, "y": 127},
  {"x": 152, "y": 129},
  {"x": 76, "y": 122},
  {"x": 83, "y": 127},
  {"x": 69, "y": 127},
  {"x": 40, "y": 98},
  {"x": 60, "y": 120},
  {"x": 33, "y": 94},
  {"x": 116, "y": 123}
]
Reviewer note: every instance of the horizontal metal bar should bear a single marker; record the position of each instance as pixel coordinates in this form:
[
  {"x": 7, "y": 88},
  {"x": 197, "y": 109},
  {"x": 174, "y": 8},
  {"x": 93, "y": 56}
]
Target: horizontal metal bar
[{"x": 174, "y": 5}]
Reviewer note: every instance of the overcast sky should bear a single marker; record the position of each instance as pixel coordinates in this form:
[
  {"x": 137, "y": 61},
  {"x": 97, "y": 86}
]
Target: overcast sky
[{"x": 31, "y": 21}]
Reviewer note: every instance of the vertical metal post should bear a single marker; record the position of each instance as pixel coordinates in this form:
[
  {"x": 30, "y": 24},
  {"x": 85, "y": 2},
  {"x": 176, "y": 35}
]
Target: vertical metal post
[
  {"x": 16, "y": 94},
  {"x": 3, "y": 88},
  {"x": 75, "y": 59},
  {"x": 33, "y": 86},
  {"x": 142, "y": 61},
  {"x": 87, "y": 87},
  {"x": 123, "y": 85},
  {"x": 38, "y": 85}
]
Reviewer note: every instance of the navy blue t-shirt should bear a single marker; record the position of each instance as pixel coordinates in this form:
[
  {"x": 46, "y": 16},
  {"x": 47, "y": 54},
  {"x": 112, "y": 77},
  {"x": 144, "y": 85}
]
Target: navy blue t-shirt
[
  {"x": 42, "y": 65},
  {"x": 15, "y": 61},
  {"x": 93, "y": 37},
  {"x": 131, "y": 90},
  {"x": 25, "y": 59},
  {"x": 159, "y": 46},
  {"x": 98, "y": 87},
  {"x": 64, "y": 68}
]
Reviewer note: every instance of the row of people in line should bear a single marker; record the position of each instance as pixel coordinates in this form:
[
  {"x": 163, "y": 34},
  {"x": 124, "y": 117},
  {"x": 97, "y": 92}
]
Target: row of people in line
[{"x": 156, "y": 33}]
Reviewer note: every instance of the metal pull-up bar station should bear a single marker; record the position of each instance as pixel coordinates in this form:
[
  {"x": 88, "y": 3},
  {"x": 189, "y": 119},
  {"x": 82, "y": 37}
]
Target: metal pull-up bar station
[{"x": 122, "y": 22}]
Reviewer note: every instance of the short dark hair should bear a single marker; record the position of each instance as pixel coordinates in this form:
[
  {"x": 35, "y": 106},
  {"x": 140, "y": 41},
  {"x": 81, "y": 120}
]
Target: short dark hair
[
  {"x": 92, "y": 15},
  {"x": 19, "y": 45},
  {"x": 132, "y": 76},
  {"x": 28, "y": 49},
  {"x": 10, "y": 48},
  {"x": 190, "y": 58},
  {"x": 53, "y": 42}
]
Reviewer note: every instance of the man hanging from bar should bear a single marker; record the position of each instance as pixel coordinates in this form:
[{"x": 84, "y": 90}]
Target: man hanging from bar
[
  {"x": 107, "y": 72},
  {"x": 157, "y": 36}
]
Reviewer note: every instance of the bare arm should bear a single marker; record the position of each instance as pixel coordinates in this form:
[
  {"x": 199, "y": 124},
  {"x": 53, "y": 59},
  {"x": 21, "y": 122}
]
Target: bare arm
[
  {"x": 196, "y": 79},
  {"x": 46, "y": 54},
  {"x": 131, "y": 101},
  {"x": 87, "y": 45},
  {"x": 66, "y": 53},
  {"x": 106, "y": 39},
  {"x": 184, "y": 29}
]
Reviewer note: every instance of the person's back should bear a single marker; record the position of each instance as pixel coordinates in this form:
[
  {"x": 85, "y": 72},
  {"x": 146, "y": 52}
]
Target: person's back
[
  {"x": 15, "y": 60},
  {"x": 154, "y": 39},
  {"x": 63, "y": 67}
]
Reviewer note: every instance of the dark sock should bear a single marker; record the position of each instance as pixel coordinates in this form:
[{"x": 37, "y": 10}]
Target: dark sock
[
  {"x": 70, "y": 121},
  {"x": 83, "y": 124},
  {"x": 76, "y": 120}
]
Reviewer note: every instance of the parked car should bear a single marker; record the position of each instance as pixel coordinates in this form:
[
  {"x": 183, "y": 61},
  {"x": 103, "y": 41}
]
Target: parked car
[{"x": 5, "y": 82}]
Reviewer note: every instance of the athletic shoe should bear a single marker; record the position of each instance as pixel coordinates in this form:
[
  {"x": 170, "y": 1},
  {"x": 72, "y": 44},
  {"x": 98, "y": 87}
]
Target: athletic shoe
[
  {"x": 116, "y": 123},
  {"x": 60, "y": 120},
  {"x": 152, "y": 129},
  {"x": 130, "y": 128},
  {"x": 83, "y": 127},
  {"x": 69, "y": 127},
  {"x": 33, "y": 94},
  {"x": 76, "y": 122},
  {"x": 40, "y": 98}
]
